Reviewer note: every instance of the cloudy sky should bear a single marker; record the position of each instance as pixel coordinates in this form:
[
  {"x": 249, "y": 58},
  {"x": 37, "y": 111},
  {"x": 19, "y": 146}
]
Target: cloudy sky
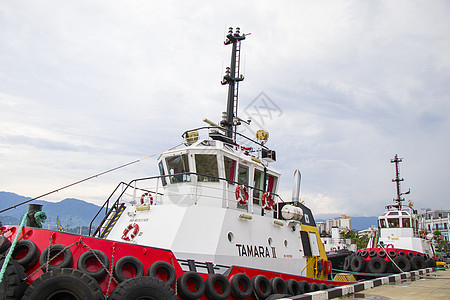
[{"x": 86, "y": 86}]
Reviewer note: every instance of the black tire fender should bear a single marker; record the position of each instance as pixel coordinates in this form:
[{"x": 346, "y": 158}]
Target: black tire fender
[
  {"x": 131, "y": 261},
  {"x": 4, "y": 244},
  {"x": 430, "y": 263},
  {"x": 183, "y": 289},
  {"x": 410, "y": 255},
  {"x": 26, "y": 253},
  {"x": 403, "y": 263},
  {"x": 304, "y": 286},
  {"x": 392, "y": 254},
  {"x": 417, "y": 263},
  {"x": 241, "y": 280},
  {"x": 261, "y": 287},
  {"x": 293, "y": 288},
  {"x": 61, "y": 282},
  {"x": 377, "y": 265},
  {"x": 347, "y": 263},
  {"x": 323, "y": 286},
  {"x": 314, "y": 287},
  {"x": 163, "y": 271},
  {"x": 364, "y": 253},
  {"x": 143, "y": 287},
  {"x": 372, "y": 253},
  {"x": 87, "y": 257},
  {"x": 402, "y": 253},
  {"x": 220, "y": 281},
  {"x": 12, "y": 287},
  {"x": 358, "y": 264},
  {"x": 55, "y": 249},
  {"x": 382, "y": 253},
  {"x": 278, "y": 285}
]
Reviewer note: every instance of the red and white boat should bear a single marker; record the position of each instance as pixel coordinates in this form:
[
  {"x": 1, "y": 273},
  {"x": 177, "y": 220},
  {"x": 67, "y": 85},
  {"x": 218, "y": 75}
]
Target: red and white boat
[
  {"x": 210, "y": 226},
  {"x": 398, "y": 244}
]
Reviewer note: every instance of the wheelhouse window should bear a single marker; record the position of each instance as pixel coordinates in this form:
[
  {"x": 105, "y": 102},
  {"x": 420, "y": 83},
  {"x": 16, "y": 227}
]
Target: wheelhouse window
[
  {"x": 393, "y": 223},
  {"x": 230, "y": 169},
  {"x": 206, "y": 164},
  {"x": 271, "y": 183},
  {"x": 406, "y": 222},
  {"x": 178, "y": 165},
  {"x": 243, "y": 174},
  {"x": 258, "y": 184},
  {"x": 161, "y": 171},
  {"x": 382, "y": 223}
]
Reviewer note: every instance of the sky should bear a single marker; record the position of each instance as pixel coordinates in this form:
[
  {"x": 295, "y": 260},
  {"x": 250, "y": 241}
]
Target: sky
[{"x": 341, "y": 86}]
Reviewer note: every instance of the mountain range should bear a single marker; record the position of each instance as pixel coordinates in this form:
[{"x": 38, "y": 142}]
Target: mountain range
[{"x": 70, "y": 212}]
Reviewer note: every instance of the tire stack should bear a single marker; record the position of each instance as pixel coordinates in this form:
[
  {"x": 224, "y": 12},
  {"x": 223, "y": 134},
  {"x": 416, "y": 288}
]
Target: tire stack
[{"x": 379, "y": 261}]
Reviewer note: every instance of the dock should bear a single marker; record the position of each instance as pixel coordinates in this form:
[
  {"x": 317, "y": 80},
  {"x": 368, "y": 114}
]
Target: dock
[{"x": 422, "y": 284}]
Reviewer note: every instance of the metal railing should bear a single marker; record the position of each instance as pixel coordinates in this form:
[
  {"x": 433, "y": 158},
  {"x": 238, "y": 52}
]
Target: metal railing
[{"x": 131, "y": 193}]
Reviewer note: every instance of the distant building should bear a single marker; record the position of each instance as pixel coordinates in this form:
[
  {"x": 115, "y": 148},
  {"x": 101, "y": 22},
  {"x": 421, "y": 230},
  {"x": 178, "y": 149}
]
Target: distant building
[
  {"x": 335, "y": 242},
  {"x": 331, "y": 223},
  {"x": 432, "y": 220},
  {"x": 345, "y": 222},
  {"x": 321, "y": 227}
]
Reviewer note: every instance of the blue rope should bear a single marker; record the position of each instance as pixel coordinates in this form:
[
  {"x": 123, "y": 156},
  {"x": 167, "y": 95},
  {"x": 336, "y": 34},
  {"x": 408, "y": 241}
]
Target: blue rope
[{"x": 11, "y": 249}]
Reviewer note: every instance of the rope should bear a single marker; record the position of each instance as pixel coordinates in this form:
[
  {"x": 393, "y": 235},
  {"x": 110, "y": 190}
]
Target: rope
[
  {"x": 11, "y": 249},
  {"x": 390, "y": 257}
]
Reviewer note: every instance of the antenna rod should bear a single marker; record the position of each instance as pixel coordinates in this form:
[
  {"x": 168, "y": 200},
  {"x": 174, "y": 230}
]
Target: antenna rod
[
  {"x": 232, "y": 78},
  {"x": 397, "y": 179}
]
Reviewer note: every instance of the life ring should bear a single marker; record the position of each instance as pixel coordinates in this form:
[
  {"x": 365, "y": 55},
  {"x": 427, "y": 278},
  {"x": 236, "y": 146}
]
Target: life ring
[
  {"x": 389, "y": 246},
  {"x": 267, "y": 201},
  {"x": 150, "y": 197},
  {"x": 133, "y": 234},
  {"x": 333, "y": 249},
  {"x": 241, "y": 194}
]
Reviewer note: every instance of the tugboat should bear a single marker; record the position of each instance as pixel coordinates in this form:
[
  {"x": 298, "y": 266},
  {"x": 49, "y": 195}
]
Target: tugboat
[
  {"x": 398, "y": 245},
  {"x": 210, "y": 226}
]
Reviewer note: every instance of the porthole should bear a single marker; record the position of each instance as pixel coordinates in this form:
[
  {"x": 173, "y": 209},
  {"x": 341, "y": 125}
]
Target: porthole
[
  {"x": 269, "y": 240},
  {"x": 230, "y": 237},
  {"x": 285, "y": 243}
]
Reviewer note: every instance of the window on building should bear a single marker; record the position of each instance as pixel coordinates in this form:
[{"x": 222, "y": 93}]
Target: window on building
[
  {"x": 429, "y": 227},
  {"x": 445, "y": 226},
  {"x": 178, "y": 165},
  {"x": 206, "y": 164},
  {"x": 230, "y": 169}
]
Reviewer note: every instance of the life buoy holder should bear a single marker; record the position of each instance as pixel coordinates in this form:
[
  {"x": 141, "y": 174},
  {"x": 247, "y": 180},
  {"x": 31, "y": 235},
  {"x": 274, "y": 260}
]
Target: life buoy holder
[
  {"x": 149, "y": 196},
  {"x": 133, "y": 234},
  {"x": 241, "y": 194},
  {"x": 389, "y": 246},
  {"x": 267, "y": 201}
]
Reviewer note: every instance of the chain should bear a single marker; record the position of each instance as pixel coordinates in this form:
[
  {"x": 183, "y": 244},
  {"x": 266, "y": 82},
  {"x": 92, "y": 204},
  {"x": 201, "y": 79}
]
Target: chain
[
  {"x": 110, "y": 272},
  {"x": 176, "y": 281},
  {"x": 48, "y": 252}
]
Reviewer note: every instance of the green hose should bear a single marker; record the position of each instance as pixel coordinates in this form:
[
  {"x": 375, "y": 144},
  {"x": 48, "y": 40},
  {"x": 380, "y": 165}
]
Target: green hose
[{"x": 11, "y": 249}]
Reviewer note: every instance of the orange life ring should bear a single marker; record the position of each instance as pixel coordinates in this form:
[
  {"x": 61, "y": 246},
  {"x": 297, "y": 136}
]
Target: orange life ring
[
  {"x": 389, "y": 246},
  {"x": 241, "y": 194},
  {"x": 267, "y": 201},
  {"x": 147, "y": 195},
  {"x": 133, "y": 234}
]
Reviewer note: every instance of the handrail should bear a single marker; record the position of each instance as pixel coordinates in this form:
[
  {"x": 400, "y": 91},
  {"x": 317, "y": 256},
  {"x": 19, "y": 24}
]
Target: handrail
[{"x": 108, "y": 210}]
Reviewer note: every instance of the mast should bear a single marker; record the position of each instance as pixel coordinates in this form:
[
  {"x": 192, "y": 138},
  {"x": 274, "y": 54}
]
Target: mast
[
  {"x": 232, "y": 78},
  {"x": 397, "y": 180}
]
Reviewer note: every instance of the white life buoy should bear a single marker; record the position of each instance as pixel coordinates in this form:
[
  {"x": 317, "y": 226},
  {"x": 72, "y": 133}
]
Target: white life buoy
[
  {"x": 147, "y": 195},
  {"x": 133, "y": 234},
  {"x": 241, "y": 194},
  {"x": 267, "y": 201}
]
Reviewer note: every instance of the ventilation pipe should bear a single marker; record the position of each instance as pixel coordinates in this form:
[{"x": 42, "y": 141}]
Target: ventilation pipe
[{"x": 296, "y": 189}]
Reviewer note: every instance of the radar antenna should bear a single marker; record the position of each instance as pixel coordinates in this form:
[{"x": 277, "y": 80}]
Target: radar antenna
[
  {"x": 232, "y": 78},
  {"x": 397, "y": 180}
]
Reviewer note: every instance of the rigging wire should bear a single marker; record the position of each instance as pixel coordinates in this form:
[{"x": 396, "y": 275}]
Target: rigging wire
[{"x": 77, "y": 182}]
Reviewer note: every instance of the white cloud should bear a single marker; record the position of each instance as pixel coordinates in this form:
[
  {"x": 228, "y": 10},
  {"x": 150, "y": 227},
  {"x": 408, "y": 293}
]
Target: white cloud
[{"x": 88, "y": 85}]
